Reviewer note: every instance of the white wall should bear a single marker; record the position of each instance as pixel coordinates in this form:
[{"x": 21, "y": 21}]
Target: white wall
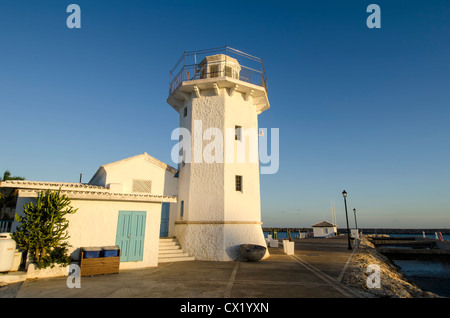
[
  {"x": 323, "y": 231},
  {"x": 123, "y": 172},
  {"x": 218, "y": 242},
  {"x": 208, "y": 189},
  {"x": 95, "y": 224},
  {"x": 203, "y": 182},
  {"x": 245, "y": 205}
]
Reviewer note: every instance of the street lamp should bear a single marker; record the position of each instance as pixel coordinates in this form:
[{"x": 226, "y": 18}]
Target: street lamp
[
  {"x": 356, "y": 224},
  {"x": 344, "y": 194}
]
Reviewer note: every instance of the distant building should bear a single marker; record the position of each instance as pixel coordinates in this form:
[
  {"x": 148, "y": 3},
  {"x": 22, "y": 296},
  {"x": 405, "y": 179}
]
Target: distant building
[{"x": 324, "y": 229}]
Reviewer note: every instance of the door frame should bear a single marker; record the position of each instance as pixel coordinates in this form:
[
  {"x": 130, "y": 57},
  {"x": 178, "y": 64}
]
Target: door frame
[
  {"x": 165, "y": 211},
  {"x": 130, "y": 235}
]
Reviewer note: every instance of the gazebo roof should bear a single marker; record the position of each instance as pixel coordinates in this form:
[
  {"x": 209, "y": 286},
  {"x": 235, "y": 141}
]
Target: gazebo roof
[{"x": 323, "y": 224}]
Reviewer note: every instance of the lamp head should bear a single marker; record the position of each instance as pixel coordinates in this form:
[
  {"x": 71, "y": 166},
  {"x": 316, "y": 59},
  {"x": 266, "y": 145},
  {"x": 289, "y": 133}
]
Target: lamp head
[{"x": 344, "y": 194}]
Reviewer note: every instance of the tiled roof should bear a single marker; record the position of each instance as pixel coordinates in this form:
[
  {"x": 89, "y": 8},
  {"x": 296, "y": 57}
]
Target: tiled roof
[
  {"x": 25, "y": 184},
  {"x": 147, "y": 157},
  {"x": 323, "y": 224},
  {"x": 107, "y": 196},
  {"x": 83, "y": 191}
]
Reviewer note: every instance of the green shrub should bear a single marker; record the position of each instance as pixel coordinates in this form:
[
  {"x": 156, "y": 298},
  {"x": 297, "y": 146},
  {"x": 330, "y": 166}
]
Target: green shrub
[{"x": 42, "y": 232}]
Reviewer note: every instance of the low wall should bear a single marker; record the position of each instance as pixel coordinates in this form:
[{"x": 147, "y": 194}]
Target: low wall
[{"x": 56, "y": 271}]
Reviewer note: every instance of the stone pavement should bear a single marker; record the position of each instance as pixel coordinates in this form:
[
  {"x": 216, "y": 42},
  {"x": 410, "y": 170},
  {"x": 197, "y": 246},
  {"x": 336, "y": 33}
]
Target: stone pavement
[{"x": 314, "y": 271}]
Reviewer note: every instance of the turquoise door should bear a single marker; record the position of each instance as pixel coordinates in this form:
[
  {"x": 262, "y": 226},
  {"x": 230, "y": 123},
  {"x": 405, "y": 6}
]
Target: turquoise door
[
  {"x": 164, "y": 229},
  {"x": 130, "y": 235}
]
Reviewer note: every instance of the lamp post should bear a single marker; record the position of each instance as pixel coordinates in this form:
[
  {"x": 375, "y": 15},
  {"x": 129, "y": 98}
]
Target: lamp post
[
  {"x": 356, "y": 224},
  {"x": 344, "y": 194}
]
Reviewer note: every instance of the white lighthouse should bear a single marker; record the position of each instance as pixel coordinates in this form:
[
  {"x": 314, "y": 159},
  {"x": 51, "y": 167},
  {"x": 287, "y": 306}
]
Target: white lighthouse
[{"x": 218, "y": 94}]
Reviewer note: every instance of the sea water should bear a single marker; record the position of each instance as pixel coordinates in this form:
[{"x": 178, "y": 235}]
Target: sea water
[
  {"x": 282, "y": 234},
  {"x": 446, "y": 237},
  {"x": 429, "y": 275}
]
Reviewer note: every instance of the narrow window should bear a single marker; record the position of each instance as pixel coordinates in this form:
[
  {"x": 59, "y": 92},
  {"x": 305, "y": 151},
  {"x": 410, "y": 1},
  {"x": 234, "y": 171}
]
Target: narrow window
[
  {"x": 182, "y": 209},
  {"x": 213, "y": 70},
  {"x": 228, "y": 71},
  {"x": 239, "y": 183},
  {"x": 185, "y": 112},
  {"x": 203, "y": 72},
  {"x": 237, "y": 132}
]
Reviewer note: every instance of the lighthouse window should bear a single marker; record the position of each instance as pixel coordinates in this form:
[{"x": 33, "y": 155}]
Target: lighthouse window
[
  {"x": 185, "y": 112},
  {"x": 213, "y": 70},
  {"x": 203, "y": 72},
  {"x": 239, "y": 183},
  {"x": 182, "y": 209},
  {"x": 237, "y": 132},
  {"x": 228, "y": 71}
]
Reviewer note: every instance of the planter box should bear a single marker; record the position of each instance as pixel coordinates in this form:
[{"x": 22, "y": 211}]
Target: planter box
[
  {"x": 288, "y": 247},
  {"x": 98, "y": 265}
]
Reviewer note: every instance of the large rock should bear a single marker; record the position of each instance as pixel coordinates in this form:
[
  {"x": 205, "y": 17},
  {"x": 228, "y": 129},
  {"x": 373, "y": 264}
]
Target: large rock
[{"x": 252, "y": 252}]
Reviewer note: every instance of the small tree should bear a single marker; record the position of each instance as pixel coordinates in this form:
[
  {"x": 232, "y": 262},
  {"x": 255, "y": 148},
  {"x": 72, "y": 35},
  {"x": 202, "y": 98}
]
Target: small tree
[
  {"x": 43, "y": 229},
  {"x": 7, "y": 176}
]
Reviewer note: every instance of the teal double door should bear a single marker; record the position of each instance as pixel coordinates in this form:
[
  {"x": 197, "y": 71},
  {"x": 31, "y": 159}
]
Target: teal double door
[{"x": 130, "y": 236}]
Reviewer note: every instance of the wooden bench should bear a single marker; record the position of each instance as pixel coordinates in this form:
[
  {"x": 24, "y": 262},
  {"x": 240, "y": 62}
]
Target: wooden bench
[{"x": 98, "y": 265}]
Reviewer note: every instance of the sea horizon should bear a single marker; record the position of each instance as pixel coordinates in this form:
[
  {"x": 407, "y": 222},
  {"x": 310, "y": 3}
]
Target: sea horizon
[
  {"x": 282, "y": 233},
  {"x": 366, "y": 229}
]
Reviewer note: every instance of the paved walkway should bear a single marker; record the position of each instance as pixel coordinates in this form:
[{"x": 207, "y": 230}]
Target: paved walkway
[{"x": 315, "y": 271}]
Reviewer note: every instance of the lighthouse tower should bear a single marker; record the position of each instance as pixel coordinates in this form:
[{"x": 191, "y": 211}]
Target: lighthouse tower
[{"x": 218, "y": 94}]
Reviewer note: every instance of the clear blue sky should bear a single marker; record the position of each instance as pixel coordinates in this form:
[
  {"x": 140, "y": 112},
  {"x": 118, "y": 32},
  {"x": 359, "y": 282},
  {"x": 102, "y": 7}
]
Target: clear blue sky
[{"x": 365, "y": 110}]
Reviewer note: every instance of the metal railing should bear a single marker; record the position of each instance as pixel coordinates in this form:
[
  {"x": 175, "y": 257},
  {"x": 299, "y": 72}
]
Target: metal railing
[{"x": 189, "y": 67}]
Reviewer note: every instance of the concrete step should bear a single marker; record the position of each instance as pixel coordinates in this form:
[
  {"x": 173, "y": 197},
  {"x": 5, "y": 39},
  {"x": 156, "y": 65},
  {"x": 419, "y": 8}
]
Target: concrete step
[
  {"x": 168, "y": 245},
  {"x": 171, "y": 251},
  {"x": 180, "y": 254},
  {"x": 176, "y": 259},
  {"x": 167, "y": 241},
  {"x": 169, "y": 248}
]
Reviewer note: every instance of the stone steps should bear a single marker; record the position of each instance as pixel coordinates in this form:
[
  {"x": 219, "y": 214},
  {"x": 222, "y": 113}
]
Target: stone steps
[{"x": 171, "y": 251}]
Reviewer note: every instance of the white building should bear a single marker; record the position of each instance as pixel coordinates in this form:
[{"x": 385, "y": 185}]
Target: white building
[
  {"x": 210, "y": 207},
  {"x": 122, "y": 205},
  {"x": 219, "y": 202},
  {"x": 324, "y": 229}
]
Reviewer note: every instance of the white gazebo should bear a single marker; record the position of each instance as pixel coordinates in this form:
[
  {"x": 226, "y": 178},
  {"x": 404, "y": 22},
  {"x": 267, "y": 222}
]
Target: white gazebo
[{"x": 324, "y": 229}]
